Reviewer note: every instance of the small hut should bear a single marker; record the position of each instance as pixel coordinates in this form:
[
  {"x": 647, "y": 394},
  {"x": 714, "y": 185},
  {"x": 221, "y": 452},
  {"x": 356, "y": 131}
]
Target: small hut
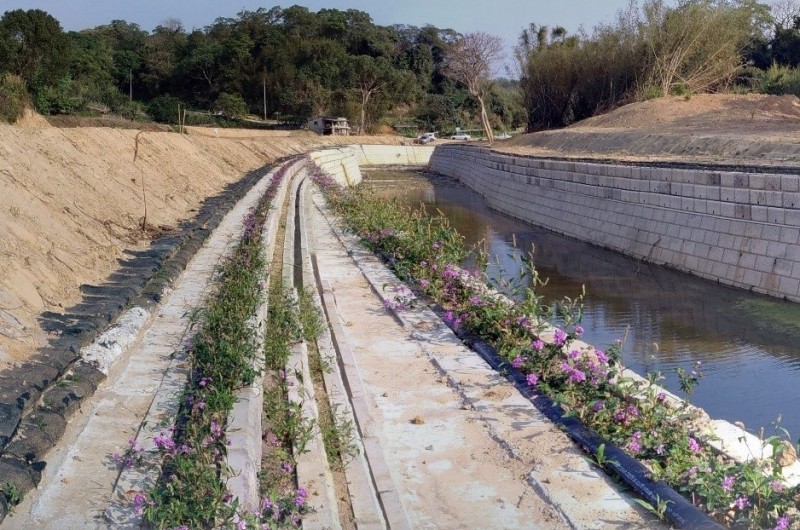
[{"x": 329, "y": 126}]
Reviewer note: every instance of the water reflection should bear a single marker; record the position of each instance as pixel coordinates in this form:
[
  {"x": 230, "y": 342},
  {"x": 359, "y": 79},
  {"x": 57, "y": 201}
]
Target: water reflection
[{"x": 748, "y": 343}]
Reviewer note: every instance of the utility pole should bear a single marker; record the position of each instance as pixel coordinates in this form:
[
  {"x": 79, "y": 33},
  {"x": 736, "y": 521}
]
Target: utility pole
[
  {"x": 264, "y": 79},
  {"x": 130, "y": 85}
]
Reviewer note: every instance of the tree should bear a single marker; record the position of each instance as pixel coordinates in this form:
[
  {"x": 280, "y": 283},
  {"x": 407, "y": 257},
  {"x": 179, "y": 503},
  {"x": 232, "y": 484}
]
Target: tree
[
  {"x": 33, "y": 46},
  {"x": 372, "y": 76},
  {"x": 469, "y": 61}
]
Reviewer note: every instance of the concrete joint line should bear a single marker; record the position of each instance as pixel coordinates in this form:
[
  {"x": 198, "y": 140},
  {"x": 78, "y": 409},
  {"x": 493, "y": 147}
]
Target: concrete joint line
[
  {"x": 362, "y": 491},
  {"x": 313, "y": 470},
  {"x": 383, "y": 484},
  {"x": 244, "y": 424}
]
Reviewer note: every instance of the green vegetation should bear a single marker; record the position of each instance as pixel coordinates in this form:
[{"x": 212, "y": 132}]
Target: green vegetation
[
  {"x": 12, "y": 98},
  {"x": 657, "y": 50},
  {"x": 294, "y": 61}
]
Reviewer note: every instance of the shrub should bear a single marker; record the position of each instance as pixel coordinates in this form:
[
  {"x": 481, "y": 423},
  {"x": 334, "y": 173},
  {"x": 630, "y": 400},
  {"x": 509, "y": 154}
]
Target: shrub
[
  {"x": 779, "y": 80},
  {"x": 164, "y": 109},
  {"x": 13, "y": 98},
  {"x": 231, "y": 105}
]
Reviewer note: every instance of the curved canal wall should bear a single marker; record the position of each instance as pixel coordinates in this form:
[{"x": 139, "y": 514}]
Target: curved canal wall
[
  {"x": 737, "y": 227},
  {"x": 343, "y": 163}
]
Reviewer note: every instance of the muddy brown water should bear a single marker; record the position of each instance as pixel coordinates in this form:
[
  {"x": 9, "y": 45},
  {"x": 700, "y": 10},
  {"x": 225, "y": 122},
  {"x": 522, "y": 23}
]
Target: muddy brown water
[{"x": 749, "y": 344}]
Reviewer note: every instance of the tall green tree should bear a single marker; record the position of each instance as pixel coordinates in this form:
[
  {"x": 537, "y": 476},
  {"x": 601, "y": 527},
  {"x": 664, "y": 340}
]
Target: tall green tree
[{"x": 33, "y": 46}]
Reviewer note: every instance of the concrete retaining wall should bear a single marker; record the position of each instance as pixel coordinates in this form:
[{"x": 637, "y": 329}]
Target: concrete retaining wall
[
  {"x": 341, "y": 163},
  {"x": 739, "y": 228},
  {"x": 393, "y": 155}
]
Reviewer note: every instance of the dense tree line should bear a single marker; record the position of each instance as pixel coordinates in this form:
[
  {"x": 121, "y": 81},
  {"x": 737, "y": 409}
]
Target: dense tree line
[
  {"x": 287, "y": 63},
  {"x": 656, "y": 49}
]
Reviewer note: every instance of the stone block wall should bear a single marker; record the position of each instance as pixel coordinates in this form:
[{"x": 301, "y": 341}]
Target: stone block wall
[{"x": 739, "y": 228}]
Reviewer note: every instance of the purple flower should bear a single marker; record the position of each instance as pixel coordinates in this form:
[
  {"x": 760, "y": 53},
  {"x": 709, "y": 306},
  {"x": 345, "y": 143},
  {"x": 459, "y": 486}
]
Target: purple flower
[
  {"x": 660, "y": 449},
  {"x": 783, "y": 523},
  {"x": 574, "y": 354},
  {"x": 241, "y": 525},
  {"x": 694, "y": 446},
  {"x": 165, "y": 442},
  {"x": 598, "y": 405},
  {"x": 601, "y": 356},
  {"x": 287, "y": 467},
  {"x": 216, "y": 429},
  {"x": 578, "y": 330},
  {"x": 577, "y": 376},
  {"x": 518, "y": 361},
  {"x": 559, "y": 337},
  {"x": 727, "y": 483},
  {"x": 741, "y": 502},
  {"x": 423, "y": 283},
  {"x": 777, "y": 486},
  {"x": 632, "y": 411},
  {"x": 634, "y": 446},
  {"x": 532, "y": 379},
  {"x": 538, "y": 345},
  {"x": 661, "y": 397}
]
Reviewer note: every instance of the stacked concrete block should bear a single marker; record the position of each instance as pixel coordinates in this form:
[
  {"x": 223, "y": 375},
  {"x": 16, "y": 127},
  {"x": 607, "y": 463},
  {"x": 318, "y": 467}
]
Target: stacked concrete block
[
  {"x": 737, "y": 227},
  {"x": 341, "y": 163}
]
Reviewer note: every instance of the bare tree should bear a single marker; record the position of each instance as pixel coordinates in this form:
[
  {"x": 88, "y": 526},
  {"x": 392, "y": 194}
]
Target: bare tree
[
  {"x": 784, "y": 12},
  {"x": 469, "y": 61}
]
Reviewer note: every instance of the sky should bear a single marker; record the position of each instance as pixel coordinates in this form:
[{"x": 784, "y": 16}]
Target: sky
[{"x": 504, "y": 18}]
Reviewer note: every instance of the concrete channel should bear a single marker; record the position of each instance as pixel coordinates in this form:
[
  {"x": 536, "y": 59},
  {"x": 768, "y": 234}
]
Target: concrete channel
[{"x": 443, "y": 439}]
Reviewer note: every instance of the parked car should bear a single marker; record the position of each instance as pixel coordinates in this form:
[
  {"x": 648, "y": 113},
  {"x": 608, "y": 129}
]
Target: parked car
[
  {"x": 426, "y": 138},
  {"x": 502, "y": 136},
  {"x": 461, "y": 136}
]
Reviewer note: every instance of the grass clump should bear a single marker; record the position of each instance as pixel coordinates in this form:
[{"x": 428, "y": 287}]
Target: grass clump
[{"x": 13, "y": 98}]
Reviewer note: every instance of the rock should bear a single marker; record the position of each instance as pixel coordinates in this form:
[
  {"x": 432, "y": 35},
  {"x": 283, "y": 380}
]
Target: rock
[{"x": 786, "y": 454}]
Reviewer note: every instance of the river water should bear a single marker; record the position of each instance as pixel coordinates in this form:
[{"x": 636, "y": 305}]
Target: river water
[{"x": 749, "y": 344}]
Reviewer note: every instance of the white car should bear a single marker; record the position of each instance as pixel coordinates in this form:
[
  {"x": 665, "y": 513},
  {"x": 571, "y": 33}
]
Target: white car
[
  {"x": 461, "y": 136},
  {"x": 502, "y": 136},
  {"x": 426, "y": 138}
]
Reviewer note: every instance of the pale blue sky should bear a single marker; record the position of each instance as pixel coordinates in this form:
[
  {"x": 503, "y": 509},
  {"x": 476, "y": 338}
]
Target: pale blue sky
[{"x": 504, "y": 18}]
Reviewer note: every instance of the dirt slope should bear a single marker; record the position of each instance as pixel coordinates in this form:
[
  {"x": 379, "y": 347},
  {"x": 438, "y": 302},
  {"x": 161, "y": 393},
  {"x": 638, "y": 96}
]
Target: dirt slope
[
  {"x": 724, "y": 128},
  {"x": 72, "y": 199}
]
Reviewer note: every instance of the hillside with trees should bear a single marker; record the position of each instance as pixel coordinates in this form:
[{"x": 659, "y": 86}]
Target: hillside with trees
[
  {"x": 656, "y": 49},
  {"x": 284, "y": 64}
]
